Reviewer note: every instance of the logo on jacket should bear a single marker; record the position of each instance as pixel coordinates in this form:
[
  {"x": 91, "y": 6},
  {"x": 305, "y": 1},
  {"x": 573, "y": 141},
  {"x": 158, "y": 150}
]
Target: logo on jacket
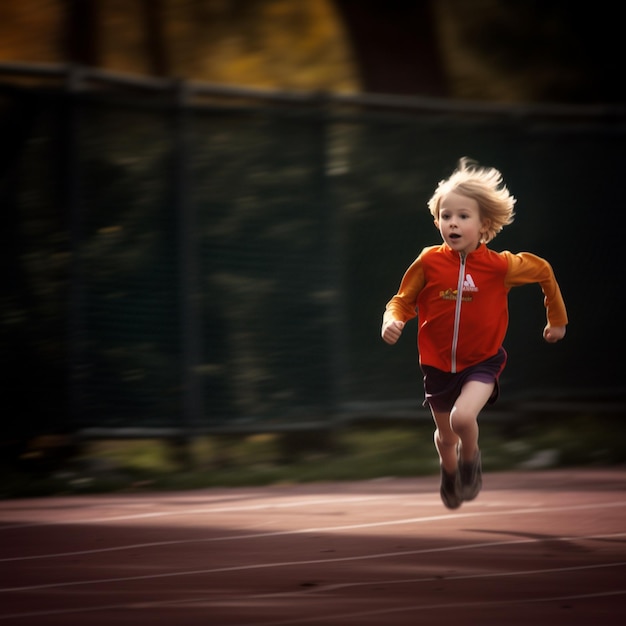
[{"x": 469, "y": 284}]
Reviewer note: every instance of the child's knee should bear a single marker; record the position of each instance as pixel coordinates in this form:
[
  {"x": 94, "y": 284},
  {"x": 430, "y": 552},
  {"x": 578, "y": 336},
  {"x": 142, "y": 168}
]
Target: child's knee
[
  {"x": 462, "y": 421},
  {"x": 445, "y": 439}
]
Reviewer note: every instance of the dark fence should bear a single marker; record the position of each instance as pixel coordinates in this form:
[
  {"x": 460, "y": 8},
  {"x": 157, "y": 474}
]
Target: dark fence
[{"x": 184, "y": 257}]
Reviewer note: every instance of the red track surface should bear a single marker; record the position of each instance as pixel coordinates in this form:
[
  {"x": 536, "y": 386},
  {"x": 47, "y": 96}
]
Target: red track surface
[{"x": 535, "y": 548}]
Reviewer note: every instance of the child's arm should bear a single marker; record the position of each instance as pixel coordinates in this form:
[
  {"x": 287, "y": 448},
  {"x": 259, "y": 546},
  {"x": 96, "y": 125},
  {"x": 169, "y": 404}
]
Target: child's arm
[
  {"x": 403, "y": 306},
  {"x": 527, "y": 268}
]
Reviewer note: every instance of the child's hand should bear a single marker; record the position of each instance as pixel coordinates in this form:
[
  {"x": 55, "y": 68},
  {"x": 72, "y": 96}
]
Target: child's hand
[
  {"x": 552, "y": 334},
  {"x": 391, "y": 331}
]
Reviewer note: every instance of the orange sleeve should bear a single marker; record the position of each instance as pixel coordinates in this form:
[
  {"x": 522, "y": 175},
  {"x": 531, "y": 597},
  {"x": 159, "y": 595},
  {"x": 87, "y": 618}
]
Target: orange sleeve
[
  {"x": 403, "y": 306},
  {"x": 525, "y": 268}
]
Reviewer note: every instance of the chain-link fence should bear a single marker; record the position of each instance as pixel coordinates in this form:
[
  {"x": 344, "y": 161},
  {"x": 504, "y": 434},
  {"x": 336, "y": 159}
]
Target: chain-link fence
[{"x": 186, "y": 257}]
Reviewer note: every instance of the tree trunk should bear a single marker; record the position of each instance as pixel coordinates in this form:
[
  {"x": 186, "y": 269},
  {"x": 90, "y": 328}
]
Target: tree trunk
[
  {"x": 395, "y": 46},
  {"x": 156, "y": 46},
  {"x": 81, "y": 40}
]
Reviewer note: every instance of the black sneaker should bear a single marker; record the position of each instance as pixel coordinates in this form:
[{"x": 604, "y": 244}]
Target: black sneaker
[
  {"x": 450, "y": 489},
  {"x": 471, "y": 478}
]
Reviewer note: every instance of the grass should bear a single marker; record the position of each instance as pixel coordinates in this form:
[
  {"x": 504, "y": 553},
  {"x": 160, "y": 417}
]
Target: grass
[{"x": 358, "y": 452}]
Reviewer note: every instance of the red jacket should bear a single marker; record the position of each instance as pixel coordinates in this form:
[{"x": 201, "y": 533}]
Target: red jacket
[{"x": 462, "y": 301}]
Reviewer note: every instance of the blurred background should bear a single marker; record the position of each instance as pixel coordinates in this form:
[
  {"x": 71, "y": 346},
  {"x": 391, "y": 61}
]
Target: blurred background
[{"x": 207, "y": 204}]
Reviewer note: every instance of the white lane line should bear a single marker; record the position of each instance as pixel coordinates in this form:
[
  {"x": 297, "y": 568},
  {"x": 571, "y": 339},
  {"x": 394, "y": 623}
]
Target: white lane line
[
  {"x": 317, "y": 619},
  {"x": 321, "y": 589},
  {"x": 322, "y": 529},
  {"x": 280, "y": 564},
  {"x": 211, "y": 601},
  {"x": 290, "y": 504},
  {"x": 202, "y": 511}
]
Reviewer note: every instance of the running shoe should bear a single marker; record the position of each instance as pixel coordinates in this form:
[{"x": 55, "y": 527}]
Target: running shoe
[
  {"x": 450, "y": 489},
  {"x": 471, "y": 478}
]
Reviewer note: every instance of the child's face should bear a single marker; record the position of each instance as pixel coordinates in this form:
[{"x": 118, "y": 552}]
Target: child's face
[{"x": 459, "y": 222}]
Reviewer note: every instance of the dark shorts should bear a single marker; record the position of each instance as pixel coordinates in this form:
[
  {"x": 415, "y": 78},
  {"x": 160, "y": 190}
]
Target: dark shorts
[{"x": 441, "y": 389}]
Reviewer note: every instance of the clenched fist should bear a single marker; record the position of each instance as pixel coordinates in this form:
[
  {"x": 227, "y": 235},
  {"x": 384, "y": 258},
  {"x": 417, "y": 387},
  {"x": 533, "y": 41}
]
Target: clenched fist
[{"x": 391, "y": 331}]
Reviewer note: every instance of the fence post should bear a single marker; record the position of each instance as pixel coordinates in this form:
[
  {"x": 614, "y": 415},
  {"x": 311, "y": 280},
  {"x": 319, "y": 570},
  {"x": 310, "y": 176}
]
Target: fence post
[
  {"x": 74, "y": 208},
  {"x": 334, "y": 262},
  {"x": 190, "y": 328}
]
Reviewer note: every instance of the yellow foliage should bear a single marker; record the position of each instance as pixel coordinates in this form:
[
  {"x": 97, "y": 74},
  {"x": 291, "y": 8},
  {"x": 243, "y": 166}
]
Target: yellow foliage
[{"x": 277, "y": 44}]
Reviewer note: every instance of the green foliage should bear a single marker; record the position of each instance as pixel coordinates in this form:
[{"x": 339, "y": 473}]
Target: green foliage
[{"x": 359, "y": 452}]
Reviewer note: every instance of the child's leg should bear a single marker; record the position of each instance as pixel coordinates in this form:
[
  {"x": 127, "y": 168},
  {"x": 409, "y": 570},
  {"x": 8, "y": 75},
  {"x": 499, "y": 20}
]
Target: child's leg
[
  {"x": 464, "y": 416},
  {"x": 446, "y": 441}
]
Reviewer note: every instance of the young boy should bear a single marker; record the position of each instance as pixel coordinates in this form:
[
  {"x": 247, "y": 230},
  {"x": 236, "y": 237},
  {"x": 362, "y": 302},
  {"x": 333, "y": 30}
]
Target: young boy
[{"x": 459, "y": 292}]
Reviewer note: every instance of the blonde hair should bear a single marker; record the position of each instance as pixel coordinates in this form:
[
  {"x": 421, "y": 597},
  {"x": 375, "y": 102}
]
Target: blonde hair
[{"x": 483, "y": 184}]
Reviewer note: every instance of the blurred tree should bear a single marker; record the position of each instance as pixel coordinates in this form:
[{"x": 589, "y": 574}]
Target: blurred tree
[
  {"x": 532, "y": 51},
  {"x": 490, "y": 50},
  {"x": 396, "y": 46},
  {"x": 82, "y": 30},
  {"x": 261, "y": 43},
  {"x": 156, "y": 47}
]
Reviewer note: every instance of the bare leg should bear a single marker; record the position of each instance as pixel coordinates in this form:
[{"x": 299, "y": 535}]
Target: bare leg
[
  {"x": 456, "y": 440},
  {"x": 464, "y": 416},
  {"x": 446, "y": 441}
]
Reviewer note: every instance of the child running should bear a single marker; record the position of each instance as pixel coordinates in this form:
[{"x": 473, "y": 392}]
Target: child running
[{"x": 459, "y": 292}]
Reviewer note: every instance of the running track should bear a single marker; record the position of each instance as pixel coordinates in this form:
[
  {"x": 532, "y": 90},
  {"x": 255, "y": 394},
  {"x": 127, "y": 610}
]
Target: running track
[{"x": 535, "y": 548}]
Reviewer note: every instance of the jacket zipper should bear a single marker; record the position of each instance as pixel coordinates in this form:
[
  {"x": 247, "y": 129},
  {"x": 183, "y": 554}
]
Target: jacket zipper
[{"x": 457, "y": 311}]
